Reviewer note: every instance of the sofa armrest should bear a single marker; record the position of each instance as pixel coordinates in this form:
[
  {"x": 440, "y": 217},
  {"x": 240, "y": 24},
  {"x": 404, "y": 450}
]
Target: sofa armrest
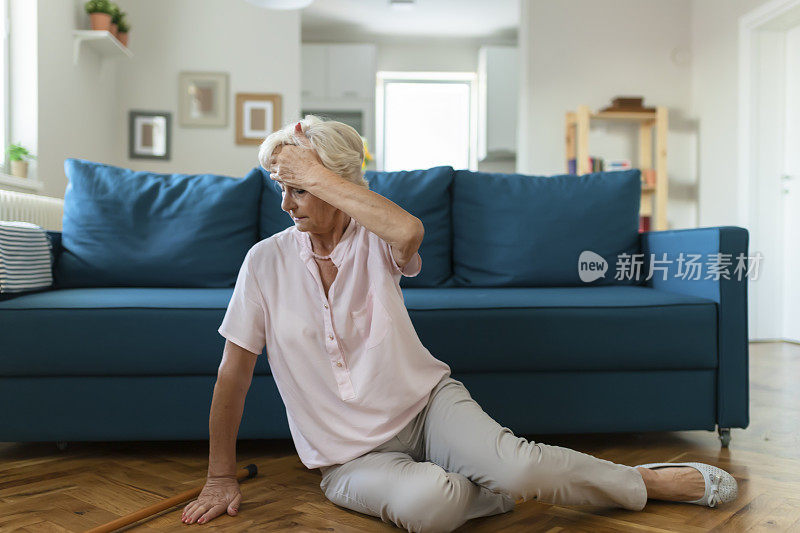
[{"x": 729, "y": 294}]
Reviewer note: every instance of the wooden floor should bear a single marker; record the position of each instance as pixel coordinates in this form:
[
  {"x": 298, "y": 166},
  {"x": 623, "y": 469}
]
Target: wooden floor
[{"x": 43, "y": 489}]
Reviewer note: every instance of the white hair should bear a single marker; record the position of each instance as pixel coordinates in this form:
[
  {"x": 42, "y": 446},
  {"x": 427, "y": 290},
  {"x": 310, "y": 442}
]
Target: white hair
[{"x": 338, "y": 145}]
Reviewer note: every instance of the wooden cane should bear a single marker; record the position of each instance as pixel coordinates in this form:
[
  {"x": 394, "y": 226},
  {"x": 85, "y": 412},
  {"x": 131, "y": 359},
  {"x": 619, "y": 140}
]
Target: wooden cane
[{"x": 248, "y": 472}]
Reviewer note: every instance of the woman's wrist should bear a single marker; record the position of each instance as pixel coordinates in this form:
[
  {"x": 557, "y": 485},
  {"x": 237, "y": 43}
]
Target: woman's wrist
[
  {"x": 221, "y": 469},
  {"x": 221, "y": 476}
]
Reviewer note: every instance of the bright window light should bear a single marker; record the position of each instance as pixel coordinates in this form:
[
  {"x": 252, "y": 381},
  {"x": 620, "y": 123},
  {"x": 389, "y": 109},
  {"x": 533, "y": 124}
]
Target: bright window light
[
  {"x": 426, "y": 120},
  {"x": 4, "y": 71}
]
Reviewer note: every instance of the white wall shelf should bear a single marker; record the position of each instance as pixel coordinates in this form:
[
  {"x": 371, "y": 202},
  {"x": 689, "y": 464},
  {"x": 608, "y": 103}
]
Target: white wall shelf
[
  {"x": 21, "y": 183},
  {"x": 102, "y": 42}
]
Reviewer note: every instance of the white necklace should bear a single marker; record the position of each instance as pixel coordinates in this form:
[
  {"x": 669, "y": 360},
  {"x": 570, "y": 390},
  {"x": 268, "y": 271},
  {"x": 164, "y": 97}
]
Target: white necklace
[{"x": 320, "y": 256}]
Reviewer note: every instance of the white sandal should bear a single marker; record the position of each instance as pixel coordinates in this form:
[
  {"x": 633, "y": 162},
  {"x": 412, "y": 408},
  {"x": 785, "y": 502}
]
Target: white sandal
[{"x": 721, "y": 487}]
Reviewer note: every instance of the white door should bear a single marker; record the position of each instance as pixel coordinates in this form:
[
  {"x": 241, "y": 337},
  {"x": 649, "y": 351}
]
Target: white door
[{"x": 791, "y": 191}]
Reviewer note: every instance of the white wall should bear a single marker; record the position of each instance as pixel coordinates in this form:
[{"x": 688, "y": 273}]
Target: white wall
[
  {"x": 715, "y": 102},
  {"x": 75, "y": 104},
  {"x": 414, "y": 53},
  {"x": 258, "y": 48},
  {"x": 621, "y": 47},
  {"x": 445, "y": 55},
  {"x": 83, "y": 110},
  {"x": 589, "y": 51}
]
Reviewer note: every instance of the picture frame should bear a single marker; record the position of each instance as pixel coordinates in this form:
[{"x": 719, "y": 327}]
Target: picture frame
[
  {"x": 203, "y": 99},
  {"x": 149, "y": 134},
  {"x": 257, "y": 115}
]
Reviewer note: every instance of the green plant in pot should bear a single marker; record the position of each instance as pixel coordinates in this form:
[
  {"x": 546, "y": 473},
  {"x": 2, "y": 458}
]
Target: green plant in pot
[
  {"x": 100, "y": 12},
  {"x": 19, "y": 156},
  {"x": 116, "y": 14},
  {"x": 123, "y": 29}
]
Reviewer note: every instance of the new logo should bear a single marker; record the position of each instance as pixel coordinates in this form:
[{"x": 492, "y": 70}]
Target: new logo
[{"x": 591, "y": 266}]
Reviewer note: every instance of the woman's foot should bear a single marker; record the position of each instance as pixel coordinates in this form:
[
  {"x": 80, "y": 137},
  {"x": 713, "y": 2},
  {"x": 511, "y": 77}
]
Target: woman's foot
[{"x": 679, "y": 483}]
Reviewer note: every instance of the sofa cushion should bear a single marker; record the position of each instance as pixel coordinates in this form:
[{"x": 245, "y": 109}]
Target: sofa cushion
[
  {"x": 565, "y": 328},
  {"x": 121, "y": 331},
  {"x": 271, "y": 218},
  {"x": 106, "y": 331},
  {"x": 426, "y": 195},
  {"x": 142, "y": 229},
  {"x": 512, "y": 230},
  {"x": 26, "y": 258}
]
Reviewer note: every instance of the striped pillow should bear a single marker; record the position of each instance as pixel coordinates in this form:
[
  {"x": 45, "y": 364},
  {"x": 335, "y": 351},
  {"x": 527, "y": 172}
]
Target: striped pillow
[{"x": 25, "y": 257}]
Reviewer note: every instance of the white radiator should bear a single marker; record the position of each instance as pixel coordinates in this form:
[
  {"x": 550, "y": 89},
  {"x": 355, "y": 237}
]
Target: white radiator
[{"x": 43, "y": 211}]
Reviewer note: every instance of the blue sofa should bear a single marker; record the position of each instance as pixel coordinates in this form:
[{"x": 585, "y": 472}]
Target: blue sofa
[{"x": 500, "y": 299}]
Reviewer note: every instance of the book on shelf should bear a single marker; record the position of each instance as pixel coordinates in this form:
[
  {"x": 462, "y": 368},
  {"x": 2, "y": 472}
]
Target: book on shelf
[
  {"x": 619, "y": 164},
  {"x": 644, "y": 223},
  {"x": 648, "y": 177},
  {"x": 596, "y": 164}
]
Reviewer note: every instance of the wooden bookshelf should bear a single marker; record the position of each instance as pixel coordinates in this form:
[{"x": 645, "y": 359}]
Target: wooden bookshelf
[{"x": 652, "y": 137}]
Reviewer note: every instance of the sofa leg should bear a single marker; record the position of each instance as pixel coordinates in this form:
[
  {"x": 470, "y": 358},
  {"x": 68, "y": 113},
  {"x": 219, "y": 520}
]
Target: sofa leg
[
  {"x": 61, "y": 445},
  {"x": 724, "y": 436}
]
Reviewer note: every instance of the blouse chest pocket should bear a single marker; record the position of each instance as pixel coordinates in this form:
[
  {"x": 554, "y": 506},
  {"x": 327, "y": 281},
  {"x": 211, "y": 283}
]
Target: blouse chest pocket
[{"x": 372, "y": 321}]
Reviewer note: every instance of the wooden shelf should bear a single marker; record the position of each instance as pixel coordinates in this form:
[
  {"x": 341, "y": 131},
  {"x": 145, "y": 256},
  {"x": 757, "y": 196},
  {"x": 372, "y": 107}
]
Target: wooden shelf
[
  {"x": 623, "y": 115},
  {"x": 102, "y": 42},
  {"x": 652, "y": 149},
  {"x": 21, "y": 183}
]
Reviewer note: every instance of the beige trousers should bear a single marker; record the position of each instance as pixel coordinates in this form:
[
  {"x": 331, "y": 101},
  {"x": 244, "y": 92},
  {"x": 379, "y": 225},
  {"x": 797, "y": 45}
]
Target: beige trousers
[{"x": 453, "y": 462}]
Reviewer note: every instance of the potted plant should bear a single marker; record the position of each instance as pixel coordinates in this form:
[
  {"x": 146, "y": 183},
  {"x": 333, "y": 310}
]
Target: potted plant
[
  {"x": 115, "y": 16},
  {"x": 99, "y": 14},
  {"x": 123, "y": 29},
  {"x": 367, "y": 156},
  {"x": 19, "y": 156}
]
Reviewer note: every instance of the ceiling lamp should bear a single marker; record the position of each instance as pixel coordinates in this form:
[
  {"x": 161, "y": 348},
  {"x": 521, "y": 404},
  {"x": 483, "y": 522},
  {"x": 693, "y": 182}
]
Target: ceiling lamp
[
  {"x": 401, "y": 4},
  {"x": 281, "y": 4}
]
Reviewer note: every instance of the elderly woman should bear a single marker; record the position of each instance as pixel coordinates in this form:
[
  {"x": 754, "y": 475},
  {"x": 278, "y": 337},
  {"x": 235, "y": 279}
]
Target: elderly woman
[{"x": 393, "y": 435}]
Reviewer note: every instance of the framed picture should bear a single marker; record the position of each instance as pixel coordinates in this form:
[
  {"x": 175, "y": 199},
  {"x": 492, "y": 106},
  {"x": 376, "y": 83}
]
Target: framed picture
[
  {"x": 257, "y": 115},
  {"x": 148, "y": 134},
  {"x": 203, "y": 99}
]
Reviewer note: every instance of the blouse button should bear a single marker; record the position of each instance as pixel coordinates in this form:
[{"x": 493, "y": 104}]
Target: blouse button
[
  {"x": 326, "y": 305},
  {"x": 330, "y": 337},
  {"x": 338, "y": 363}
]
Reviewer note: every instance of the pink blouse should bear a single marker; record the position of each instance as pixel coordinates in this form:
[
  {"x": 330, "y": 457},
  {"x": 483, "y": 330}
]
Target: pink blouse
[{"x": 350, "y": 368}]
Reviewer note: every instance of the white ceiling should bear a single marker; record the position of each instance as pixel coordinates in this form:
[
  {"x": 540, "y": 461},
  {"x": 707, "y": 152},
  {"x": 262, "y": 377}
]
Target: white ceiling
[{"x": 436, "y": 18}]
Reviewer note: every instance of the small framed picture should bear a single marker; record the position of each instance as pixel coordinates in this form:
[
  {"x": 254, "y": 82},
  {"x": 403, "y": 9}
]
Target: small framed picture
[
  {"x": 203, "y": 99},
  {"x": 148, "y": 134},
  {"x": 257, "y": 115}
]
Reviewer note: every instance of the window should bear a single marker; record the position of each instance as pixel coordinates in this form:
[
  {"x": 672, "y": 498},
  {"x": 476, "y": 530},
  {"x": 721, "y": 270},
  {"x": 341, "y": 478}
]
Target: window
[
  {"x": 4, "y": 82},
  {"x": 426, "y": 119}
]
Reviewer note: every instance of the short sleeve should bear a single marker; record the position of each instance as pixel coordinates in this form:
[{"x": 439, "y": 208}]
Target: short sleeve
[
  {"x": 410, "y": 270},
  {"x": 245, "y": 319}
]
